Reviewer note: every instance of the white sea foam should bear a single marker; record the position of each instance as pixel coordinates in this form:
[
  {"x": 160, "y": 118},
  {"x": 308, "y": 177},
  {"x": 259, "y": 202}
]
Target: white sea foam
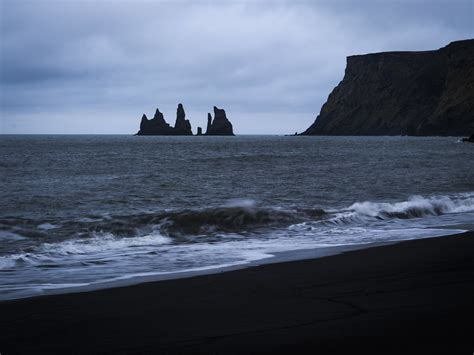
[
  {"x": 7, "y": 262},
  {"x": 89, "y": 220},
  {"x": 417, "y": 206},
  {"x": 240, "y": 202},
  {"x": 414, "y": 207},
  {"x": 102, "y": 242},
  {"x": 7, "y": 235},
  {"x": 47, "y": 226}
]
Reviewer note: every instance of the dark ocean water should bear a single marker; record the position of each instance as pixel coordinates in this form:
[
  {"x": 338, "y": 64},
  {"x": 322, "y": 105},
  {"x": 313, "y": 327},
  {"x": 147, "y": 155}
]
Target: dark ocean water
[{"x": 81, "y": 210}]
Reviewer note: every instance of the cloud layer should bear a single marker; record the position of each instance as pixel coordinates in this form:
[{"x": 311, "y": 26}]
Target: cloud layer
[{"x": 84, "y": 66}]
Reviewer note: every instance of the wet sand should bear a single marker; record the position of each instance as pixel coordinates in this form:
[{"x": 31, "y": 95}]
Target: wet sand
[{"x": 414, "y": 296}]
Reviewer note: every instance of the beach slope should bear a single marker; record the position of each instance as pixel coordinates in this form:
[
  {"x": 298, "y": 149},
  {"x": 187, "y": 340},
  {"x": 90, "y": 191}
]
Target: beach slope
[{"x": 415, "y": 296}]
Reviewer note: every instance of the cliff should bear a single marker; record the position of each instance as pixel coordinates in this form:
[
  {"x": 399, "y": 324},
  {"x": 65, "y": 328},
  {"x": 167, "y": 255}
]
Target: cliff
[
  {"x": 403, "y": 93},
  {"x": 157, "y": 126},
  {"x": 220, "y": 126}
]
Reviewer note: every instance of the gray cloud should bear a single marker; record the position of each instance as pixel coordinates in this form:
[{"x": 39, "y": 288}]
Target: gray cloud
[{"x": 95, "y": 66}]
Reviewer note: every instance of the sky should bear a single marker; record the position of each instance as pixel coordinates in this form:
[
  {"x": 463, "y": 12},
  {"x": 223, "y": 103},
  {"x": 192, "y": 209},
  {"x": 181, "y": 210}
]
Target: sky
[{"x": 94, "y": 67}]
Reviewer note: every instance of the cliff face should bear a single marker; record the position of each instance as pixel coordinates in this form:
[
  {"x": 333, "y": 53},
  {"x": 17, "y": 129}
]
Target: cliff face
[
  {"x": 403, "y": 93},
  {"x": 157, "y": 126},
  {"x": 220, "y": 126}
]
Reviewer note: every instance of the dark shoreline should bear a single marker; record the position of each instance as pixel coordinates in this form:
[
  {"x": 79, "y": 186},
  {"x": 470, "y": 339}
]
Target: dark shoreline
[
  {"x": 414, "y": 296},
  {"x": 275, "y": 258}
]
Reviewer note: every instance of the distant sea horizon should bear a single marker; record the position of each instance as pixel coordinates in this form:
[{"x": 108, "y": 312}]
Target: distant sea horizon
[{"x": 194, "y": 135}]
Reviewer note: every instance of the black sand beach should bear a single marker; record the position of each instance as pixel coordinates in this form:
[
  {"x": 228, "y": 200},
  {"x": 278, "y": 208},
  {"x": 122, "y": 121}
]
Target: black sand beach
[{"x": 415, "y": 296}]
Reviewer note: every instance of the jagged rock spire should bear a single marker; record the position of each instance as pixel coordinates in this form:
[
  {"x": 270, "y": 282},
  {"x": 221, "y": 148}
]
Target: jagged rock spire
[
  {"x": 157, "y": 126},
  {"x": 143, "y": 123},
  {"x": 182, "y": 126},
  {"x": 209, "y": 123},
  {"x": 220, "y": 126}
]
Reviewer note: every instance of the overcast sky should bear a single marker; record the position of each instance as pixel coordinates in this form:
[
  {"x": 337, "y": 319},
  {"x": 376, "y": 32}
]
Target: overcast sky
[{"x": 83, "y": 66}]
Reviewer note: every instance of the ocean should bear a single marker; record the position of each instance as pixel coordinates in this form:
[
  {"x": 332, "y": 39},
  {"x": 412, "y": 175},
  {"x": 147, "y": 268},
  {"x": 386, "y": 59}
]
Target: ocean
[{"x": 79, "y": 211}]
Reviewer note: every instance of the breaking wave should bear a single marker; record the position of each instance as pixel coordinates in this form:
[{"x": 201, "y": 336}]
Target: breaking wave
[
  {"x": 97, "y": 244},
  {"x": 241, "y": 218},
  {"x": 414, "y": 207},
  {"x": 115, "y": 247},
  {"x": 226, "y": 219},
  {"x": 238, "y": 216},
  {"x": 105, "y": 242}
]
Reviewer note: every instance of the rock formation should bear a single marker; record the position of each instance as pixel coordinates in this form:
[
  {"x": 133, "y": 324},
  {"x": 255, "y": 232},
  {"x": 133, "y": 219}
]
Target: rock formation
[
  {"x": 220, "y": 126},
  {"x": 157, "y": 126},
  {"x": 469, "y": 139},
  {"x": 403, "y": 93},
  {"x": 209, "y": 123},
  {"x": 182, "y": 126}
]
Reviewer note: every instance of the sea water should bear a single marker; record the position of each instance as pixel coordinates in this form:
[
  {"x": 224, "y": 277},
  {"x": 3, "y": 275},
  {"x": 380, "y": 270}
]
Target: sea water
[{"x": 88, "y": 210}]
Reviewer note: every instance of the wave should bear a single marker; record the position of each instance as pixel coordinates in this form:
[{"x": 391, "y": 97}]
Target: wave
[
  {"x": 414, "y": 207},
  {"x": 248, "y": 216},
  {"x": 93, "y": 247},
  {"x": 102, "y": 242},
  {"x": 236, "y": 216},
  {"x": 99, "y": 243},
  {"x": 226, "y": 219},
  {"x": 417, "y": 206}
]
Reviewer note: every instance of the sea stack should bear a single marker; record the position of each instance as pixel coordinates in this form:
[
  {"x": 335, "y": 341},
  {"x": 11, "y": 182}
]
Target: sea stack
[
  {"x": 220, "y": 126},
  {"x": 209, "y": 123},
  {"x": 182, "y": 126},
  {"x": 157, "y": 126},
  {"x": 428, "y": 93}
]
